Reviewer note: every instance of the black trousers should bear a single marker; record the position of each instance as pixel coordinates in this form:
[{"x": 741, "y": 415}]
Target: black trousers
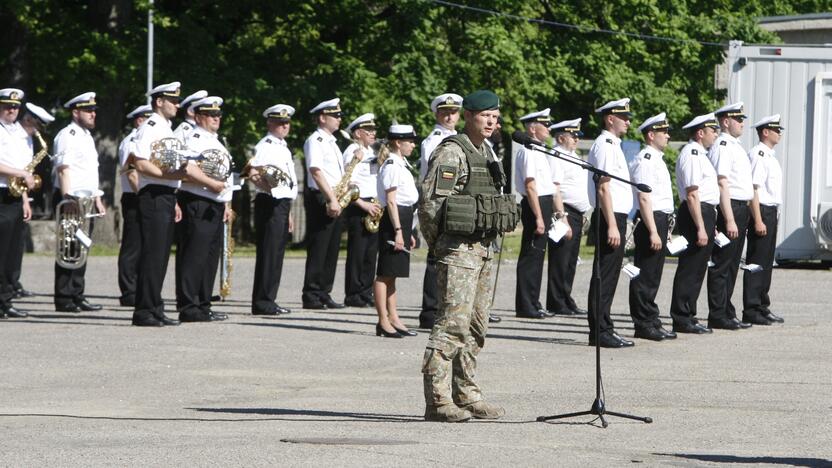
[
  {"x": 323, "y": 239},
  {"x": 17, "y": 259},
  {"x": 692, "y": 265},
  {"x": 430, "y": 300},
  {"x": 563, "y": 259},
  {"x": 131, "y": 247},
  {"x": 760, "y": 250},
  {"x": 609, "y": 261},
  {"x": 70, "y": 284},
  {"x": 723, "y": 276},
  {"x": 362, "y": 251},
  {"x": 645, "y": 286},
  {"x": 198, "y": 250},
  {"x": 532, "y": 254},
  {"x": 156, "y": 224},
  {"x": 11, "y": 230},
  {"x": 271, "y": 230}
]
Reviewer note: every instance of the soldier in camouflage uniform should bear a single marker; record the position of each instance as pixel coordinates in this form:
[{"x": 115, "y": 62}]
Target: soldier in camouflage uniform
[{"x": 461, "y": 180}]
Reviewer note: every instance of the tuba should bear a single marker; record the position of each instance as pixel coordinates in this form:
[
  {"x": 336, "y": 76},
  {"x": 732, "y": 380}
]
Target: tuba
[
  {"x": 17, "y": 185},
  {"x": 371, "y": 223},
  {"x": 73, "y": 222}
]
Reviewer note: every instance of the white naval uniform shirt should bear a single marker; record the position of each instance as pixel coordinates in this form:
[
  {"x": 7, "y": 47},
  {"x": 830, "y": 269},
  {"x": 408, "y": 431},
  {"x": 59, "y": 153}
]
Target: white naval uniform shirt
[
  {"x": 15, "y": 148},
  {"x": 75, "y": 148},
  {"x": 767, "y": 175},
  {"x": 271, "y": 150},
  {"x": 606, "y": 154},
  {"x": 152, "y": 130},
  {"x": 124, "y": 149},
  {"x": 694, "y": 169},
  {"x": 365, "y": 174},
  {"x": 429, "y": 144},
  {"x": 395, "y": 173},
  {"x": 573, "y": 187},
  {"x": 533, "y": 164},
  {"x": 649, "y": 168},
  {"x": 322, "y": 152},
  {"x": 200, "y": 140},
  {"x": 731, "y": 161},
  {"x": 184, "y": 129}
]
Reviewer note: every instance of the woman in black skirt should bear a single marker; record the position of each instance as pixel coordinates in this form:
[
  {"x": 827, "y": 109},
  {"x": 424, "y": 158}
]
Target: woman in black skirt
[{"x": 397, "y": 194}]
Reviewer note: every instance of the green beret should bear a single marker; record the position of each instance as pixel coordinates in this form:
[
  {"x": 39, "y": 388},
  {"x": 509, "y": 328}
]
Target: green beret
[{"x": 481, "y": 100}]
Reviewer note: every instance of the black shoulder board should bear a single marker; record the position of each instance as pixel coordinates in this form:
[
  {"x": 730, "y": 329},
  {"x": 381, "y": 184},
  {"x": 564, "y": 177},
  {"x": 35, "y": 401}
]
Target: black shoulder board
[
  {"x": 268, "y": 140},
  {"x": 694, "y": 152},
  {"x": 723, "y": 143},
  {"x": 151, "y": 122},
  {"x": 437, "y": 132},
  {"x": 609, "y": 140},
  {"x": 761, "y": 153},
  {"x": 372, "y": 161},
  {"x": 132, "y": 138},
  {"x": 196, "y": 135},
  {"x": 72, "y": 131},
  {"x": 389, "y": 161},
  {"x": 646, "y": 155},
  {"x": 320, "y": 139}
]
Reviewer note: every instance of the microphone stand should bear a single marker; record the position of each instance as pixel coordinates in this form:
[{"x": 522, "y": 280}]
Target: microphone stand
[{"x": 598, "y": 408}]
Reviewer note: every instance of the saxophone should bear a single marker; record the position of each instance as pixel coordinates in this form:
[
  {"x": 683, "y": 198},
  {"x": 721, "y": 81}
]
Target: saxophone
[
  {"x": 371, "y": 223},
  {"x": 17, "y": 185},
  {"x": 345, "y": 191},
  {"x": 226, "y": 267}
]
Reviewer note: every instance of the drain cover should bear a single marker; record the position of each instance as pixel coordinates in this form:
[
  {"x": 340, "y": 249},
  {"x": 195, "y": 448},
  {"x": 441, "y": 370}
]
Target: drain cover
[{"x": 345, "y": 441}]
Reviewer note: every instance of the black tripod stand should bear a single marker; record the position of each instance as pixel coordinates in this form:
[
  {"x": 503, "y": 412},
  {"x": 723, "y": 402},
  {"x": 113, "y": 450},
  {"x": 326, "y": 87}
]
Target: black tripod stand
[{"x": 598, "y": 408}]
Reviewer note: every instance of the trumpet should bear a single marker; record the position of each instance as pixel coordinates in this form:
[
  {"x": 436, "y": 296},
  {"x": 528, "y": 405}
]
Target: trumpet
[{"x": 73, "y": 223}]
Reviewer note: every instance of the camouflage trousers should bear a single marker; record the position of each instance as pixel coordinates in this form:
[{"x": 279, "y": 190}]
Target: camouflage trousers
[{"x": 464, "y": 284}]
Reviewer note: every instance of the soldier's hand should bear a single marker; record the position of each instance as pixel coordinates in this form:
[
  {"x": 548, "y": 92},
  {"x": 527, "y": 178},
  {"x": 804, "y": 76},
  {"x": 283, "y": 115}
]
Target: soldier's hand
[
  {"x": 358, "y": 154},
  {"x": 99, "y": 205},
  {"x": 613, "y": 237},
  {"x": 291, "y": 224},
  {"x": 27, "y": 209},
  {"x": 373, "y": 209},
  {"x": 29, "y": 180},
  {"x": 399, "y": 243},
  {"x": 333, "y": 209},
  {"x": 540, "y": 226},
  {"x": 177, "y": 213},
  {"x": 701, "y": 237},
  {"x": 216, "y": 186},
  {"x": 731, "y": 227},
  {"x": 412, "y": 242},
  {"x": 760, "y": 229},
  {"x": 655, "y": 242},
  {"x": 568, "y": 235}
]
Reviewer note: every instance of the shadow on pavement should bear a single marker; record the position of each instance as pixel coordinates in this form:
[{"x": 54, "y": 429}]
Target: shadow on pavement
[
  {"x": 714, "y": 458},
  {"x": 346, "y": 415},
  {"x": 279, "y": 324}
]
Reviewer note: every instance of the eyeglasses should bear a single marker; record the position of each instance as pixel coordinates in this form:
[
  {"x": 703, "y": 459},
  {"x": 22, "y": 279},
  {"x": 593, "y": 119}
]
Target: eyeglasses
[{"x": 11, "y": 106}]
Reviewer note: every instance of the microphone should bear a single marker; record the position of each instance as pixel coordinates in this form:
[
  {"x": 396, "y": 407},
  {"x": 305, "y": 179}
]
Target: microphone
[
  {"x": 524, "y": 139},
  {"x": 644, "y": 188}
]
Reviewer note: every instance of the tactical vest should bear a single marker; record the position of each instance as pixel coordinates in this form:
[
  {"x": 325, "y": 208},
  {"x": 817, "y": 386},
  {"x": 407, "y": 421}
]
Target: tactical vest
[{"x": 479, "y": 211}]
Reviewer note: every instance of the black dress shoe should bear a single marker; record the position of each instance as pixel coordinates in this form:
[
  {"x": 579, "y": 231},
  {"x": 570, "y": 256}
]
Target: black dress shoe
[
  {"x": 330, "y": 304},
  {"x": 652, "y": 334},
  {"x": 668, "y": 335},
  {"x": 194, "y": 318},
  {"x": 371, "y": 302},
  {"x": 127, "y": 302},
  {"x": 694, "y": 328},
  {"x": 71, "y": 307},
  {"x": 578, "y": 311},
  {"x": 382, "y": 332},
  {"x": 491, "y": 319},
  {"x": 14, "y": 313},
  {"x": 536, "y": 314},
  {"x": 85, "y": 305},
  {"x": 611, "y": 340},
  {"x": 147, "y": 322},
  {"x": 265, "y": 312},
  {"x": 354, "y": 302},
  {"x": 429, "y": 326},
  {"x": 283, "y": 310},
  {"x": 314, "y": 306},
  {"x": 547, "y": 313},
  {"x": 756, "y": 319},
  {"x": 169, "y": 321},
  {"x": 218, "y": 316},
  {"x": 723, "y": 324},
  {"x": 772, "y": 317},
  {"x": 552, "y": 313},
  {"x": 19, "y": 293},
  {"x": 403, "y": 332},
  {"x": 624, "y": 341}
]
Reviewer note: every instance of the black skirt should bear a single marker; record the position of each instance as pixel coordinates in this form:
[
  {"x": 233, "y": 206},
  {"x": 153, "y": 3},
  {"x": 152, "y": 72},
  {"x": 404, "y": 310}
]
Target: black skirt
[{"x": 390, "y": 262}]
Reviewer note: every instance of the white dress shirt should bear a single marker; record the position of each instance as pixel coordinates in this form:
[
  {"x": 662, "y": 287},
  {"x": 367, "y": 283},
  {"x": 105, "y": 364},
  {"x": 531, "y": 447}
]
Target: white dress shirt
[
  {"x": 529, "y": 163},
  {"x": 767, "y": 175},
  {"x": 200, "y": 140},
  {"x": 573, "y": 185},
  {"x": 365, "y": 174},
  {"x": 15, "y": 148},
  {"x": 322, "y": 152},
  {"x": 74, "y": 147},
  {"x": 606, "y": 154},
  {"x": 694, "y": 169},
  {"x": 731, "y": 161},
  {"x": 184, "y": 129},
  {"x": 152, "y": 130},
  {"x": 271, "y": 150},
  {"x": 395, "y": 173},
  {"x": 124, "y": 149},
  {"x": 649, "y": 168},
  {"x": 429, "y": 144}
]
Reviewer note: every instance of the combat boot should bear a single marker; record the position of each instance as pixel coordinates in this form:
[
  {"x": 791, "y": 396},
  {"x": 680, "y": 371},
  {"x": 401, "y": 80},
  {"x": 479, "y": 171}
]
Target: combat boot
[
  {"x": 446, "y": 413},
  {"x": 482, "y": 410}
]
